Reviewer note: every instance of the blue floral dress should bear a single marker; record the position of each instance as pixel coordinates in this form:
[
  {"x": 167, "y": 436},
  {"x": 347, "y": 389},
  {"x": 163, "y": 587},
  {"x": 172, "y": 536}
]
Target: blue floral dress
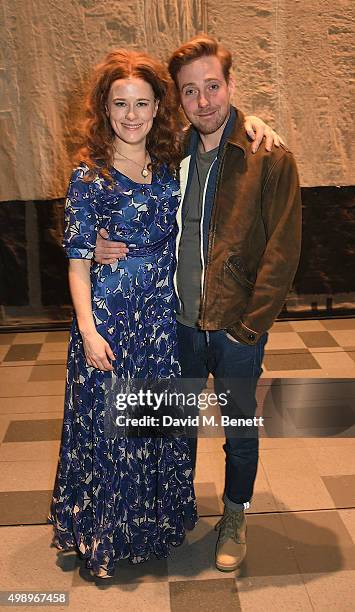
[{"x": 125, "y": 497}]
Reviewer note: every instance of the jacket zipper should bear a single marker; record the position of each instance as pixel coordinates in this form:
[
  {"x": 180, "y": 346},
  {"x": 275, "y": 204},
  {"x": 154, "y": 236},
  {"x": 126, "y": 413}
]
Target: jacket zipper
[
  {"x": 201, "y": 228},
  {"x": 210, "y": 238}
]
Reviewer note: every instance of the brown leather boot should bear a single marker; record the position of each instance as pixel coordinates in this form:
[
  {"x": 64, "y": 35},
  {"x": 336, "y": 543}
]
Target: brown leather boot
[{"x": 231, "y": 545}]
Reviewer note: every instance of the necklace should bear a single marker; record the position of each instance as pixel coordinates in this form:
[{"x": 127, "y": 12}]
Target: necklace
[{"x": 144, "y": 170}]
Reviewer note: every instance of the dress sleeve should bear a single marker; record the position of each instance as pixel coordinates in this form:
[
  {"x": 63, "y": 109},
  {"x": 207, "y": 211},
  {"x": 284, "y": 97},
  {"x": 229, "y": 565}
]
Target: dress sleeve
[{"x": 80, "y": 218}]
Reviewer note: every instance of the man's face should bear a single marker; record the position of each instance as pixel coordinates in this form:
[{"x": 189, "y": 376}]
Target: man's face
[{"x": 204, "y": 93}]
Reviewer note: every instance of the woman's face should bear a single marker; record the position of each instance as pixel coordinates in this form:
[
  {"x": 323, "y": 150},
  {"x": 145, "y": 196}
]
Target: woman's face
[{"x": 131, "y": 108}]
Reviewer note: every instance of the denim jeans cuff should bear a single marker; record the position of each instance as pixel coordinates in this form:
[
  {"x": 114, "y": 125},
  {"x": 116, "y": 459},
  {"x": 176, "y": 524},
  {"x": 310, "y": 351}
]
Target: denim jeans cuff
[{"x": 233, "y": 505}]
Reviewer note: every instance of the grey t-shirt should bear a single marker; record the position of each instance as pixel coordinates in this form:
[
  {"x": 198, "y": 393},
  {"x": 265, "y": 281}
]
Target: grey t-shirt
[{"x": 189, "y": 266}]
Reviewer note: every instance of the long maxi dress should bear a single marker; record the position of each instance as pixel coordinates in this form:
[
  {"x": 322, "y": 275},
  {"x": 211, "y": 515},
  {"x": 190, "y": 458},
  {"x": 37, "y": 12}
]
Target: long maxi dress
[{"x": 127, "y": 497}]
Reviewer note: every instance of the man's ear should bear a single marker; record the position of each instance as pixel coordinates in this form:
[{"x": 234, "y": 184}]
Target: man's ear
[{"x": 231, "y": 84}]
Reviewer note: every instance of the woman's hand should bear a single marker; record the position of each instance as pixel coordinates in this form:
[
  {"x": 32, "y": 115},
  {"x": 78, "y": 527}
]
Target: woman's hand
[
  {"x": 257, "y": 130},
  {"x": 97, "y": 351}
]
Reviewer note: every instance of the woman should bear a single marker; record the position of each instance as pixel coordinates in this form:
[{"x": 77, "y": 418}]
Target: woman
[
  {"x": 118, "y": 496},
  {"x": 122, "y": 497}
]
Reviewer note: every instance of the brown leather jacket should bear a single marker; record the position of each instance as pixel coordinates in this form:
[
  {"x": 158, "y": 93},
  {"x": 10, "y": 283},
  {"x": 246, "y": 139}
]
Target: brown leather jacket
[{"x": 253, "y": 235}]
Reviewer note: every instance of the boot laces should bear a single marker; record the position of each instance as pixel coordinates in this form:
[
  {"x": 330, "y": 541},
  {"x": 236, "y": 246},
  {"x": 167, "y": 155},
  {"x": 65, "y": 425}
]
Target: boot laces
[{"x": 230, "y": 526}]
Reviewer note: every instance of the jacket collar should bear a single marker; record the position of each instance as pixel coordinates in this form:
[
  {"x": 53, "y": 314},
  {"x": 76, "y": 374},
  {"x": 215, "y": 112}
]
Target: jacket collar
[{"x": 234, "y": 133}]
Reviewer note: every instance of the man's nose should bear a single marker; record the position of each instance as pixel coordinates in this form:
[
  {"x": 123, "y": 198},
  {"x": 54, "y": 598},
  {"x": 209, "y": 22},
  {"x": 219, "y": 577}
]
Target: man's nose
[{"x": 202, "y": 100}]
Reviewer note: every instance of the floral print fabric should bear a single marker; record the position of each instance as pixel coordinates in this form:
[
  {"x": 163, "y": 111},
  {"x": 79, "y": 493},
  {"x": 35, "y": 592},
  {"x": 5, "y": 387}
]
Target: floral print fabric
[{"x": 123, "y": 497}]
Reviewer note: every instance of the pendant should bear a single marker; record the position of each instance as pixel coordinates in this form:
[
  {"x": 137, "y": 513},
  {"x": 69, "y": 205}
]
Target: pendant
[{"x": 144, "y": 172}]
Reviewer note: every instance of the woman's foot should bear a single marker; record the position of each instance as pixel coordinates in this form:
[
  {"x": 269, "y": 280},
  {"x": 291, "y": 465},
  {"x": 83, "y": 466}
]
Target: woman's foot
[{"x": 102, "y": 574}]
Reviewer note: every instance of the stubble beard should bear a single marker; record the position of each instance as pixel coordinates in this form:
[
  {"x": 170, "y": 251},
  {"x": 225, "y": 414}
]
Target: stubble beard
[{"x": 205, "y": 128}]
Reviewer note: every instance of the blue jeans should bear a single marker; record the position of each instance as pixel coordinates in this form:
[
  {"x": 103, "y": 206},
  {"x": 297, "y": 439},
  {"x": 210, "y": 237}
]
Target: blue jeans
[{"x": 236, "y": 367}]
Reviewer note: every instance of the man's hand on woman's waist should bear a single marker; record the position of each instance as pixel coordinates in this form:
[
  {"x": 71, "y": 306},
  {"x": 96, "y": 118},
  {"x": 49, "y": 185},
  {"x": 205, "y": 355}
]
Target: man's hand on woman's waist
[{"x": 108, "y": 251}]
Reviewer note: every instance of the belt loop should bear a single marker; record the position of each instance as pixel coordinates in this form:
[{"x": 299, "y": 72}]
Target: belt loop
[{"x": 208, "y": 338}]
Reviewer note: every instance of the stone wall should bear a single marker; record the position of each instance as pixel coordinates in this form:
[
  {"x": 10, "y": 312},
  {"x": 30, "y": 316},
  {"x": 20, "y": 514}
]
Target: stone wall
[{"x": 292, "y": 61}]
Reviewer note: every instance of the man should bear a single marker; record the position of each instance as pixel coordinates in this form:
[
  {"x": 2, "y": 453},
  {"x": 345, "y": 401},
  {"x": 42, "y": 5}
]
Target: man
[{"x": 238, "y": 249}]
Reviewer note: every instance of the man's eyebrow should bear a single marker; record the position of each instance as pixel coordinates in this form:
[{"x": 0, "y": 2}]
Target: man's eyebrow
[{"x": 205, "y": 81}]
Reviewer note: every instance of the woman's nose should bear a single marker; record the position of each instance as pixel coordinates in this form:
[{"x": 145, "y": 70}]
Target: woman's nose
[{"x": 130, "y": 113}]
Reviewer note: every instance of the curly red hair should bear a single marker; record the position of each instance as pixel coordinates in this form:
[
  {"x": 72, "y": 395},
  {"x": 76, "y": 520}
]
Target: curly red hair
[{"x": 164, "y": 139}]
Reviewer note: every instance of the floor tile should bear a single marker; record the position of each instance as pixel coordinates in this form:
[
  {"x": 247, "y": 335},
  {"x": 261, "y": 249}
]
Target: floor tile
[
  {"x": 50, "y": 387},
  {"x": 194, "y": 559},
  {"x": 16, "y": 364},
  {"x": 24, "y": 507},
  {"x": 126, "y": 573},
  {"x": 20, "y": 352},
  {"x": 291, "y": 362},
  {"x": 315, "y": 339},
  {"x": 329, "y": 349},
  {"x": 294, "y": 481},
  {"x": 28, "y": 562},
  {"x": 29, "y": 451},
  {"x": 329, "y": 442},
  {"x": 147, "y": 597},
  {"x": 342, "y": 490},
  {"x": 210, "y": 444},
  {"x": 208, "y": 502},
  {"x": 275, "y": 555},
  {"x": 27, "y": 475},
  {"x": 57, "y": 336},
  {"x": 3, "y": 350},
  {"x": 288, "y": 340},
  {"x": 48, "y": 372},
  {"x": 335, "y": 363},
  {"x": 321, "y": 417},
  {"x": 263, "y": 499},
  {"x": 267, "y": 443},
  {"x": 211, "y": 595},
  {"x": 210, "y": 467},
  {"x": 285, "y": 351},
  {"x": 7, "y": 339},
  {"x": 34, "y": 430},
  {"x": 264, "y": 593},
  {"x": 342, "y": 324},
  {"x": 344, "y": 337},
  {"x": 5, "y": 420},
  {"x": 307, "y": 326},
  {"x": 55, "y": 347},
  {"x": 348, "y": 518},
  {"x": 319, "y": 373},
  {"x": 51, "y": 359},
  {"x": 4, "y": 424},
  {"x": 23, "y": 405},
  {"x": 280, "y": 327},
  {"x": 30, "y": 338},
  {"x": 17, "y": 375},
  {"x": 334, "y": 461},
  {"x": 333, "y": 592},
  {"x": 320, "y": 541}
]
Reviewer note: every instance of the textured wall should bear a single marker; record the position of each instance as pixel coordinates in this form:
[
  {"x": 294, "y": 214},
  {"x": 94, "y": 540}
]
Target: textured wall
[{"x": 292, "y": 63}]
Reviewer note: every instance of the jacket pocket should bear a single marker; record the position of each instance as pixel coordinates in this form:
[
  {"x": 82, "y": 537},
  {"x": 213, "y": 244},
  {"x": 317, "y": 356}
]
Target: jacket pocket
[{"x": 236, "y": 268}]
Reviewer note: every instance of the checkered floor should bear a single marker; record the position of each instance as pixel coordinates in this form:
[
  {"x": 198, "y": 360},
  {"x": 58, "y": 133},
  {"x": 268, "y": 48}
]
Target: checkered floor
[{"x": 301, "y": 524}]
